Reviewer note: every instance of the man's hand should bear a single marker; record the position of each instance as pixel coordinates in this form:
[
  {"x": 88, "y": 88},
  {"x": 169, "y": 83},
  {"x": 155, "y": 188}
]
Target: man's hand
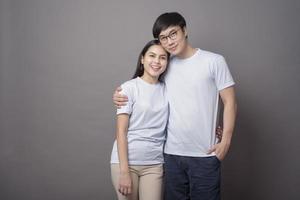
[
  {"x": 229, "y": 101},
  {"x": 119, "y": 99},
  {"x": 125, "y": 183},
  {"x": 220, "y": 149},
  {"x": 219, "y": 133}
]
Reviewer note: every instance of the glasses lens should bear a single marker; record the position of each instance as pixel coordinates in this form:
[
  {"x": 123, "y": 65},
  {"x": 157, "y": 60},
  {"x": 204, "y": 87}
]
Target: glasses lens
[
  {"x": 163, "y": 39},
  {"x": 173, "y": 35}
]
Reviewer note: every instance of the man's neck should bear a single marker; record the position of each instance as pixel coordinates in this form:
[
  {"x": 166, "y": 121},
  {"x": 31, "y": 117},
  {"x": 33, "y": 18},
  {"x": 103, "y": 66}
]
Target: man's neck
[{"x": 188, "y": 52}]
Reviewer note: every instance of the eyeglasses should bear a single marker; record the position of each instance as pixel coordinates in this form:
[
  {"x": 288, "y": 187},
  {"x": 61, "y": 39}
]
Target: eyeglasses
[{"x": 172, "y": 35}]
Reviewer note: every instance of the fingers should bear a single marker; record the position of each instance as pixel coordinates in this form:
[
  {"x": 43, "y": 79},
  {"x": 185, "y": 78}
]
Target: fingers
[
  {"x": 211, "y": 150},
  {"x": 122, "y": 190},
  {"x": 125, "y": 189},
  {"x": 219, "y": 136},
  {"x": 219, "y": 130},
  {"x": 219, "y": 133},
  {"x": 117, "y": 95},
  {"x": 129, "y": 191},
  {"x": 119, "y": 99},
  {"x": 117, "y": 92}
]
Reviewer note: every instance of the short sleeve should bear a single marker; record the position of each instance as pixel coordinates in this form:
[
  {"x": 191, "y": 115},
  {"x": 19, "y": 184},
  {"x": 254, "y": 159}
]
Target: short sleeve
[
  {"x": 127, "y": 90},
  {"x": 221, "y": 73}
]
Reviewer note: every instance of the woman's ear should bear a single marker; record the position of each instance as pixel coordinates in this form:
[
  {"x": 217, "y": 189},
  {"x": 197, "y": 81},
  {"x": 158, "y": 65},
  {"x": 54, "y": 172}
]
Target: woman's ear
[{"x": 142, "y": 59}]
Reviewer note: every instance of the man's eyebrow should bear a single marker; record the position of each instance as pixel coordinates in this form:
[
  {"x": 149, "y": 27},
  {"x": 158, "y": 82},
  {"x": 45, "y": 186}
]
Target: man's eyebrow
[{"x": 169, "y": 32}]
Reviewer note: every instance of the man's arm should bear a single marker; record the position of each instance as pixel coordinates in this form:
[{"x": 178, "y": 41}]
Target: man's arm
[{"x": 229, "y": 115}]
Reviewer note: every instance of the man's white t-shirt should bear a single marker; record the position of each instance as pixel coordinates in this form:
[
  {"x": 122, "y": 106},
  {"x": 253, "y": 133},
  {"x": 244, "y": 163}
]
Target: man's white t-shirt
[
  {"x": 193, "y": 86},
  {"x": 148, "y": 109}
]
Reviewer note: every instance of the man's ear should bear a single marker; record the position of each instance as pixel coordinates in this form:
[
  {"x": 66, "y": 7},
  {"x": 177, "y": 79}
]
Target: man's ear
[{"x": 185, "y": 32}]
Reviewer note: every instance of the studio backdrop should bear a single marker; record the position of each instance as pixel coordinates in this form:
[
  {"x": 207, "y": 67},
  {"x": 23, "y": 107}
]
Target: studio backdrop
[{"x": 61, "y": 60}]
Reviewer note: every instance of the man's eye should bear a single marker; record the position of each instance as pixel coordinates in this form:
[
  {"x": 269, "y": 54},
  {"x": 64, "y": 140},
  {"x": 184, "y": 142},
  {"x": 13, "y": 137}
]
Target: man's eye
[{"x": 173, "y": 34}]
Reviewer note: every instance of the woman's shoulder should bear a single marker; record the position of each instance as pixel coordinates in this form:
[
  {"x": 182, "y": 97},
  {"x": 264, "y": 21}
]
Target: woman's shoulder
[
  {"x": 130, "y": 83},
  {"x": 129, "y": 87}
]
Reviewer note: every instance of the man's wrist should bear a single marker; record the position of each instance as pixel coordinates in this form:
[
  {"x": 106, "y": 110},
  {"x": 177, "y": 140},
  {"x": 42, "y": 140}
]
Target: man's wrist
[{"x": 226, "y": 140}]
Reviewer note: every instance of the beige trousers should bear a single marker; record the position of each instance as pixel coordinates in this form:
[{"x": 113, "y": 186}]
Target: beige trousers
[{"x": 147, "y": 182}]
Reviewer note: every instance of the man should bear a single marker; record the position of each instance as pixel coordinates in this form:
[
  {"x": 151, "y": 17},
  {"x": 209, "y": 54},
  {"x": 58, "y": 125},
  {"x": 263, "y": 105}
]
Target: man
[{"x": 194, "y": 82}]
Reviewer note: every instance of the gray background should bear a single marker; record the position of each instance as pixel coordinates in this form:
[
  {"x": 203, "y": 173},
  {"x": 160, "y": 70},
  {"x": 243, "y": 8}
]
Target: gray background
[{"x": 61, "y": 60}]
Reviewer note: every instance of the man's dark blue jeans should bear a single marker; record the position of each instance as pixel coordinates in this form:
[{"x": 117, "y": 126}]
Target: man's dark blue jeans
[{"x": 192, "y": 178}]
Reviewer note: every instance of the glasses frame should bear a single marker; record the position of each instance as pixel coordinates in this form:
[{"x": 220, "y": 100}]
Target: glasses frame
[{"x": 172, "y": 35}]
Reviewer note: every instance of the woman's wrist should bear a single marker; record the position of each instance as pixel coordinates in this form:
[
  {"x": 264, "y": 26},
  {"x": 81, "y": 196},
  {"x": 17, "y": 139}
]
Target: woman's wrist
[{"x": 124, "y": 170}]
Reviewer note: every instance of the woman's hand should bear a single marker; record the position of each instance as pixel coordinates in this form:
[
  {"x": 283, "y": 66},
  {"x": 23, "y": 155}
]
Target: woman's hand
[{"x": 125, "y": 183}]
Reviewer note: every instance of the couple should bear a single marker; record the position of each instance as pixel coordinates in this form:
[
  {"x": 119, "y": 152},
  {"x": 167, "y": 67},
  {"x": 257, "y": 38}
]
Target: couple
[{"x": 182, "y": 99}]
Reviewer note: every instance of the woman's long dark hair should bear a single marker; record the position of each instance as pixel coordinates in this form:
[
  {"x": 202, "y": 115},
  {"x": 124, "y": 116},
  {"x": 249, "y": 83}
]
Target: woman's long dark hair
[{"x": 140, "y": 67}]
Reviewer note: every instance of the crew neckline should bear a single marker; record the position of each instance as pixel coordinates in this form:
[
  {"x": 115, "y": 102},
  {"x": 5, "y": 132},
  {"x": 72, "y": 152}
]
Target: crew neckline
[
  {"x": 191, "y": 57},
  {"x": 146, "y": 83}
]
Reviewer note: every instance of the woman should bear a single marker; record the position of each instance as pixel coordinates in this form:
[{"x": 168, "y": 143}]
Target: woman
[{"x": 137, "y": 155}]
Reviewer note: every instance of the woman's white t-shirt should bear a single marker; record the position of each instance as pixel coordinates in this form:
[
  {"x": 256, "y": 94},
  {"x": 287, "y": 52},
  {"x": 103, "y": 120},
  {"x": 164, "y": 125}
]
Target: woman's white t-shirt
[{"x": 147, "y": 108}]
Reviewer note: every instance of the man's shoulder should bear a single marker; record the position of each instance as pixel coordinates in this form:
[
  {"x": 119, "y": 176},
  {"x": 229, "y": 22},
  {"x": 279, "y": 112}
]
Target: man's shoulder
[
  {"x": 209, "y": 55},
  {"x": 201, "y": 55}
]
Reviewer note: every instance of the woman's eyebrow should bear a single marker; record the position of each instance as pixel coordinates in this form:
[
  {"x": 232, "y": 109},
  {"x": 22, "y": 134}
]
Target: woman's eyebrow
[{"x": 151, "y": 52}]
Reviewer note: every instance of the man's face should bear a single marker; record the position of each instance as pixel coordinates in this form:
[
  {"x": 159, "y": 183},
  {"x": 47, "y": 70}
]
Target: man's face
[{"x": 173, "y": 39}]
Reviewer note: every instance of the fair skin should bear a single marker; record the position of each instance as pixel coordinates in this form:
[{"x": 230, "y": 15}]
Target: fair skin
[
  {"x": 155, "y": 62},
  {"x": 180, "y": 48},
  {"x": 230, "y": 108}
]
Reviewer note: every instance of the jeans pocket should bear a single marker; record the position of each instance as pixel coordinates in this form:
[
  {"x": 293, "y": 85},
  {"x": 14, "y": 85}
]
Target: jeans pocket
[{"x": 219, "y": 161}]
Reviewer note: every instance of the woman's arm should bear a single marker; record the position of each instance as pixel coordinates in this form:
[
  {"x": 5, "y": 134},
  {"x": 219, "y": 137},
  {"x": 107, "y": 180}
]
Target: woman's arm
[{"x": 125, "y": 182}]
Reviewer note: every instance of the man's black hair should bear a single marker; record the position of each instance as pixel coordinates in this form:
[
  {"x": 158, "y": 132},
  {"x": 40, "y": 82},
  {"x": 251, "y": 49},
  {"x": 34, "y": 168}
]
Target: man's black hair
[{"x": 166, "y": 20}]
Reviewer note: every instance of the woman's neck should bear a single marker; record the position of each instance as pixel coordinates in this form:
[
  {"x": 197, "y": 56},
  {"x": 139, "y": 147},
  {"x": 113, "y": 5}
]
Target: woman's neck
[{"x": 149, "y": 79}]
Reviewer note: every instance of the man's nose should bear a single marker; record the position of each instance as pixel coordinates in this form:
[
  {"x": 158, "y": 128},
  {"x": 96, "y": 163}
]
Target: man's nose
[{"x": 169, "y": 41}]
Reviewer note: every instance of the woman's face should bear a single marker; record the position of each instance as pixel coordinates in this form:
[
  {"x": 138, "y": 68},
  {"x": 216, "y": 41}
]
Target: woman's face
[{"x": 155, "y": 61}]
